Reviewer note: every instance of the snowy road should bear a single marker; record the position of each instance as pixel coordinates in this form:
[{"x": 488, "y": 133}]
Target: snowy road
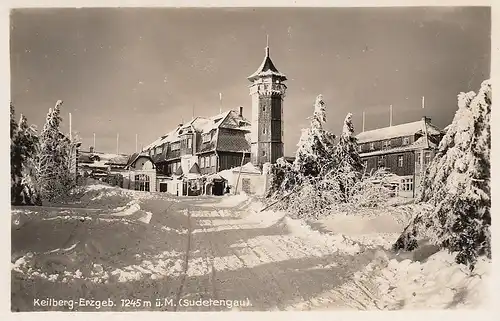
[
  {"x": 191, "y": 250},
  {"x": 152, "y": 252},
  {"x": 258, "y": 260}
]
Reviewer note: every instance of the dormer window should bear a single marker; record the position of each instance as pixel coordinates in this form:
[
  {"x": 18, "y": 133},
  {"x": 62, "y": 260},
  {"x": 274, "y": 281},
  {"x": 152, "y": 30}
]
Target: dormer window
[
  {"x": 406, "y": 140},
  {"x": 372, "y": 146},
  {"x": 387, "y": 144},
  {"x": 360, "y": 148},
  {"x": 205, "y": 138}
]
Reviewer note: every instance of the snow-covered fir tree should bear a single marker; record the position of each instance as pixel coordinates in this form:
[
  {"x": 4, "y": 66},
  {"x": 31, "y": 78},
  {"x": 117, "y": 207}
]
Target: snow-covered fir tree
[
  {"x": 348, "y": 166},
  {"x": 316, "y": 145},
  {"x": 24, "y": 143},
  {"x": 458, "y": 199},
  {"x": 53, "y": 165}
]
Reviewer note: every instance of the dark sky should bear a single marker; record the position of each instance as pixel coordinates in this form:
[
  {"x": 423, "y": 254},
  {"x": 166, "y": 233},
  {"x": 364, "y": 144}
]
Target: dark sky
[{"x": 143, "y": 71}]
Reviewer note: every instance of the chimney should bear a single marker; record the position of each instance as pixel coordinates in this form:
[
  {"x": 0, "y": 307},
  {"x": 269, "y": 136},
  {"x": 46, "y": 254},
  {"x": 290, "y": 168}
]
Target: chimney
[
  {"x": 241, "y": 111},
  {"x": 91, "y": 149},
  {"x": 426, "y": 119}
]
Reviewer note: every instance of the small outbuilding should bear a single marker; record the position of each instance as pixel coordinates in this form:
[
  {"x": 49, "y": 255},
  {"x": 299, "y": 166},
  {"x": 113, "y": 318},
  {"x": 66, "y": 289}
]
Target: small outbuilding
[{"x": 140, "y": 174}]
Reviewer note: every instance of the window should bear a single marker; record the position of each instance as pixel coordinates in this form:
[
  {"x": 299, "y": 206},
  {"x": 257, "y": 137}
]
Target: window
[
  {"x": 387, "y": 144},
  {"x": 202, "y": 162},
  {"x": 190, "y": 142},
  {"x": 427, "y": 158},
  {"x": 213, "y": 161},
  {"x": 406, "y": 141},
  {"x": 400, "y": 161},
  {"x": 418, "y": 158},
  {"x": 263, "y": 153},
  {"x": 263, "y": 108},
  {"x": 175, "y": 146},
  {"x": 360, "y": 148},
  {"x": 407, "y": 184},
  {"x": 141, "y": 182},
  {"x": 372, "y": 146},
  {"x": 263, "y": 130},
  {"x": 205, "y": 138},
  {"x": 381, "y": 161},
  {"x": 207, "y": 161},
  {"x": 365, "y": 163}
]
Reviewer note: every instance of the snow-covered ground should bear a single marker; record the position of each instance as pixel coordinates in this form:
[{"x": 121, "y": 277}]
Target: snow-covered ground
[{"x": 227, "y": 244}]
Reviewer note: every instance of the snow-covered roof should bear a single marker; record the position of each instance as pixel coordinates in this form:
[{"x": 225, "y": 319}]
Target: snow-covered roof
[
  {"x": 401, "y": 130},
  {"x": 266, "y": 68},
  {"x": 248, "y": 168},
  {"x": 203, "y": 125},
  {"x": 420, "y": 143}
]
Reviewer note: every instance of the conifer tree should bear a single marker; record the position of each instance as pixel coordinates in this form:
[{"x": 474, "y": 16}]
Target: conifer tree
[
  {"x": 457, "y": 212},
  {"x": 348, "y": 165},
  {"x": 316, "y": 145},
  {"x": 24, "y": 143},
  {"x": 53, "y": 165}
]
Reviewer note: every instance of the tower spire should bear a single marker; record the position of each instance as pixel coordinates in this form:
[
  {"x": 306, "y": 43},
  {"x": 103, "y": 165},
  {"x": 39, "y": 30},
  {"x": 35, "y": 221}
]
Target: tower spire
[{"x": 267, "y": 46}]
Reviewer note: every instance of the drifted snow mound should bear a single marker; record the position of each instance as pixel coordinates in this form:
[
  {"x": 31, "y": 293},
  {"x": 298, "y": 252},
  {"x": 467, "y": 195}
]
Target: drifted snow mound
[
  {"x": 132, "y": 210},
  {"x": 339, "y": 241},
  {"x": 97, "y": 187},
  {"x": 438, "y": 283},
  {"x": 230, "y": 201}
]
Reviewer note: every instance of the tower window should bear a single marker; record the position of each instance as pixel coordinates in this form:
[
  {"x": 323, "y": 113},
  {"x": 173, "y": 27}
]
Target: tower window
[
  {"x": 263, "y": 130},
  {"x": 263, "y": 108},
  {"x": 263, "y": 153}
]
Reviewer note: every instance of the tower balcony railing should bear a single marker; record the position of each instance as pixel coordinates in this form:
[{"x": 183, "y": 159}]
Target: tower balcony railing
[{"x": 268, "y": 89}]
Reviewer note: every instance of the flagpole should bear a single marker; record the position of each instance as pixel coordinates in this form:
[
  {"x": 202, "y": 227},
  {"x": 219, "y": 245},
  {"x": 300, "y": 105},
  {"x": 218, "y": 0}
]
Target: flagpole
[
  {"x": 363, "y": 121},
  {"x": 220, "y": 101},
  {"x": 136, "y": 143},
  {"x": 94, "y": 143},
  {"x": 70, "y": 135},
  {"x": 117, "y": 142},
  {"x": 390, "y": 117}
]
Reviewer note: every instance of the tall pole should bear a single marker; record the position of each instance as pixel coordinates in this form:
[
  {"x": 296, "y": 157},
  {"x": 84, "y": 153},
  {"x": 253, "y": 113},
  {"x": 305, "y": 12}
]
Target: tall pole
[
  {"x": 390, "y": 119},
  {"x": 220, "y": 103},
  {"x": 94, "y": 143},
  {"x": 117, "y": 142},
  {"x": 136, "y": 143},
  {"x": 363, "y": 121},
  {"x": 70, "y": 135},
  {"x": 423, "y": 102}
]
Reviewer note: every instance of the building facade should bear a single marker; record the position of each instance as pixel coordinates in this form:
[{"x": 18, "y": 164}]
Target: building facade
[
  {"x": 405, "y": 150},
  {"x": 268, "y": 92},
  {"x": 203, "y": 145}
]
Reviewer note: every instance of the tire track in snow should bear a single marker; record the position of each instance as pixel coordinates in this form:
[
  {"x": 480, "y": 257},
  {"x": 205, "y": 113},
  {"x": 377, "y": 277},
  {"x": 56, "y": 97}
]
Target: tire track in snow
[
  {"x": 274, "y": 271},
  {"x": 186, "y": 259}
]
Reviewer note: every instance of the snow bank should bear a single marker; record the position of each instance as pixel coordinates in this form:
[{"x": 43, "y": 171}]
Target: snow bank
[
  {"x": 98, "y": 187},
  {"x": 229, "y": 201},
  {"x": 438, "y": 283},
  {"x": 356, "y": 225},
  {"x": 337, "y": 241}
]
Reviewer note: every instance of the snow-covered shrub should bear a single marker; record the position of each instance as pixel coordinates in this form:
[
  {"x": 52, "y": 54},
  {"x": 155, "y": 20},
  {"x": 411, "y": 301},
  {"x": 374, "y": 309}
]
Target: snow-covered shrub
[
  {"x": 372, "y": 191},
  {"x": 457, "y": 185},
  {"x": 282, "y": 178},
  {"x": 310, "y": 201}
]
